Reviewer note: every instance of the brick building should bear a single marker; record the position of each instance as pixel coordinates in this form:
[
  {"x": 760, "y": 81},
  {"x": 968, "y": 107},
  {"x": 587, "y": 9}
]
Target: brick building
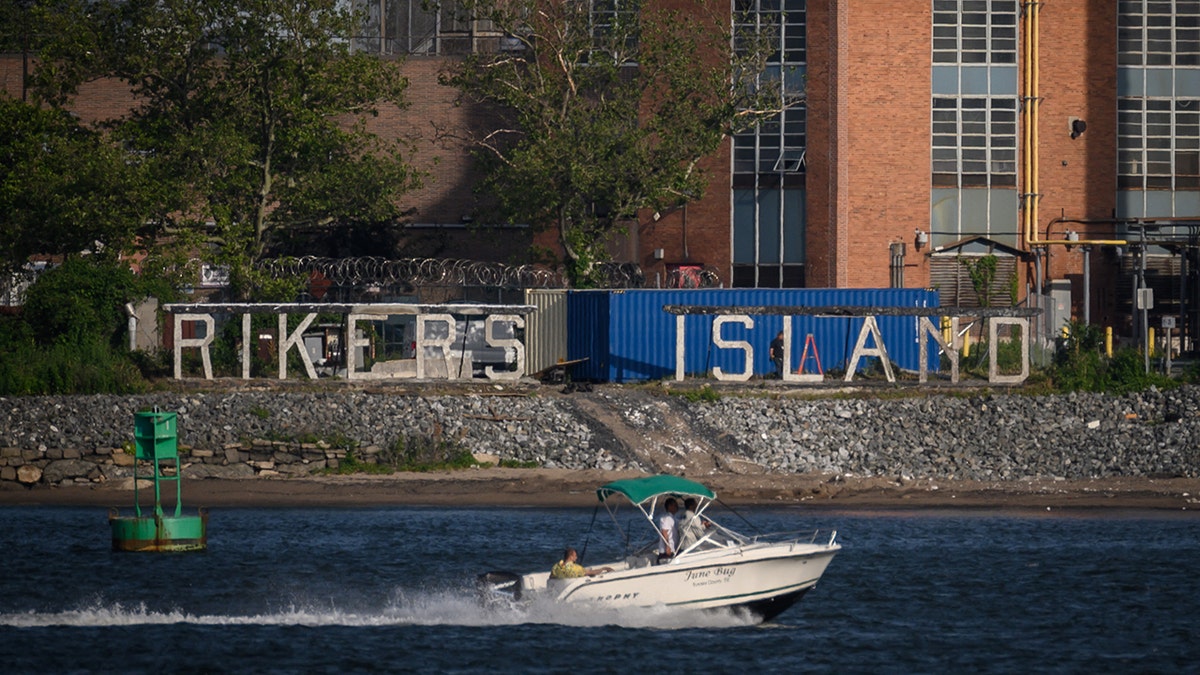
[{"x": 1062, "y": 137}]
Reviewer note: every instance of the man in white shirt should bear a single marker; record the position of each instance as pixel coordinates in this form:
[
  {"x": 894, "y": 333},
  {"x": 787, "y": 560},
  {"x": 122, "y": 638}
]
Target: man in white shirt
[
  {"x": 690, "y": 526},
  {"x": 668, "y": 535}
]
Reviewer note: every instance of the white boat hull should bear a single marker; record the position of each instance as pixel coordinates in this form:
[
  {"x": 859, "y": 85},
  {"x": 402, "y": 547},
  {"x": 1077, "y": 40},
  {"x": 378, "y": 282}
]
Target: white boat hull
[{"x": 764, "y": 578}]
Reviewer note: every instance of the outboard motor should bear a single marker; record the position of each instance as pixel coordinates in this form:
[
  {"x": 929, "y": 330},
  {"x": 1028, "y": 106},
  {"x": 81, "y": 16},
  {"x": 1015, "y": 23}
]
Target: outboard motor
[{"x": 499, "y": 586}]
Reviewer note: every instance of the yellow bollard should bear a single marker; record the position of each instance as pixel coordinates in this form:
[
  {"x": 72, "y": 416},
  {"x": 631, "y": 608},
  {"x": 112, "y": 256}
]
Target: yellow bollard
[
  {"x": 947, "y": 336},
  {"x": 1108, "y": 341},
  {"x": 1150, "y": 341},
  {"x": 966, "y": 352}
]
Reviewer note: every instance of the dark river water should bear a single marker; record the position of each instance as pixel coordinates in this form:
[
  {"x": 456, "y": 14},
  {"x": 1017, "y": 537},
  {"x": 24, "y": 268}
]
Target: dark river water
[{"x": 390, "y": 590}]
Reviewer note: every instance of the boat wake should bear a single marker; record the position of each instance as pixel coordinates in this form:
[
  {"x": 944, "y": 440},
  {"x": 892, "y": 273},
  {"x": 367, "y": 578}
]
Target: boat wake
[{"x": 405, "y": 608}]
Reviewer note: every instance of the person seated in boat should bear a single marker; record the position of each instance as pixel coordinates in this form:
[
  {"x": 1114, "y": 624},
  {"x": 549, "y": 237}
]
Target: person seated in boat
[
  {"x": 668, "y": 532},
  {"x": 568, "y": 568},
  {"x": 691, "y": 526}
]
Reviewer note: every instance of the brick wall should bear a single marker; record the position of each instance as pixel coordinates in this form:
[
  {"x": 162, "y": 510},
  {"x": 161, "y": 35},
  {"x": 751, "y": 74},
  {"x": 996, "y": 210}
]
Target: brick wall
[
  {"x": 821, "y": 154},
  {"x": 887, "y": 137},
  {"x": 1077, "y": 177},
  {"x": 697, "y": 234},
  {"x": 868, "y": 152}
]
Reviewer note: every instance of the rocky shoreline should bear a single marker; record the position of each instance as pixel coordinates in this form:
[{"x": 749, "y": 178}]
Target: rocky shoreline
[{"x": 978, "y": 436}]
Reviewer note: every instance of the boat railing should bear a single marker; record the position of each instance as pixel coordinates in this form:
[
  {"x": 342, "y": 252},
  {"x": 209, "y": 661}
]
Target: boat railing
[{"x": 824, "y": 537}]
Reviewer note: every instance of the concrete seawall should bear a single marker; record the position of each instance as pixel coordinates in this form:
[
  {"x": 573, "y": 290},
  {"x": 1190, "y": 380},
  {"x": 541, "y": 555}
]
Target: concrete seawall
[{"x": 246, "y": 434}]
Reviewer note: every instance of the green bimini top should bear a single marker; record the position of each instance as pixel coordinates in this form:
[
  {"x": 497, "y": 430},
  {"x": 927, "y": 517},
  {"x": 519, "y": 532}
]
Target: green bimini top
[{"x": 638, "y": 490}]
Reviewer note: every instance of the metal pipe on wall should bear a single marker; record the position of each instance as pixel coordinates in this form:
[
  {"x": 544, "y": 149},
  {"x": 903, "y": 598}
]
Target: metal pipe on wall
[
  {"x": 1026, "y": 145},
  {"x": 1035, "y": 103},
  {"x": 1087, "y": 285}
]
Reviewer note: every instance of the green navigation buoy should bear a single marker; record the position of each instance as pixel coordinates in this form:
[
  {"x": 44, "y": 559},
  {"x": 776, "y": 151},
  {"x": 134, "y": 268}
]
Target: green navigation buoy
[{"x": 157, "y": 449}]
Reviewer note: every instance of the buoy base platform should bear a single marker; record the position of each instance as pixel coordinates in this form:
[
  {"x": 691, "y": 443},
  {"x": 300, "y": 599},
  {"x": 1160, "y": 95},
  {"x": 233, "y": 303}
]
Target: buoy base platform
[{"x": 158, "y": 532}]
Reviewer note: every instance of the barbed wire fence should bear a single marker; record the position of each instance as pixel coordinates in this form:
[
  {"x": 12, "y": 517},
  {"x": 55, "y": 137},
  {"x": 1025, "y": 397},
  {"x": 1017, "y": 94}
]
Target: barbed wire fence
[
  {"x": 441, "y": 279},
  {"x": 428, "y": 279}
]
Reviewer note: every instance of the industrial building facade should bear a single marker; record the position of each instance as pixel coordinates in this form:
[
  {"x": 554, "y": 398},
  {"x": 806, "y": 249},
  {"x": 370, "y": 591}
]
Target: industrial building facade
[{"x": 1062, "y": 137}]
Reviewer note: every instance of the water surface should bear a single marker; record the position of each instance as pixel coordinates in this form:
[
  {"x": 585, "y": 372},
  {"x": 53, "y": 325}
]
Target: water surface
[{"x": 365, "y": 590}]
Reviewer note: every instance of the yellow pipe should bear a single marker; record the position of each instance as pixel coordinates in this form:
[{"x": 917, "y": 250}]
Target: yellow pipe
[
  {"x": 1035, "y": 101},
  {"x": 1026, "y": 173},
  {"x": 1151, "y": 344},
  {"x": 1095, "y": 242},
  {"x": 1108, "y": 341},
  {"x": 1031, "y": 167},
  {"x": 966, "y": 347}
]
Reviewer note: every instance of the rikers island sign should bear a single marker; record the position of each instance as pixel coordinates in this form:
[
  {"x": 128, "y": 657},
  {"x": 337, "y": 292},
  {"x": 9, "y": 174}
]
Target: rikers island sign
[{"x": 440, "y": 348}]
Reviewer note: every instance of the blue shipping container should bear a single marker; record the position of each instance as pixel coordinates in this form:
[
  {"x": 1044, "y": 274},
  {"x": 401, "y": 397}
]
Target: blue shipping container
[{"x": 627, "y": 337}]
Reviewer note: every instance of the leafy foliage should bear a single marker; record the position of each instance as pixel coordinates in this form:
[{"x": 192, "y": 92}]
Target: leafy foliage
[
  {"x": 61, "y": 368},
  {"x": 69, "y": 337},
  {"x": 608, "y": 114},
  {"x": 63, "y": 188},
  {"x": 410, "y": 453},
  {"x": 982, "y": 272},
  {"x": 1080, "y": 365},
  {"x": 252, "y": 111},
  {"x": 84, "y": 299}
]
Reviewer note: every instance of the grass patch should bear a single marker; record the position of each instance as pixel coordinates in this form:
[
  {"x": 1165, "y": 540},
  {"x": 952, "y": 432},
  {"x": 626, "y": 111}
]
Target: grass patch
[
  {"x": 419, "y": 453},
  {"x": 409, "y": 453},
  {"x": 705, "y": 394},
  {"x": 351, "y": 464}
]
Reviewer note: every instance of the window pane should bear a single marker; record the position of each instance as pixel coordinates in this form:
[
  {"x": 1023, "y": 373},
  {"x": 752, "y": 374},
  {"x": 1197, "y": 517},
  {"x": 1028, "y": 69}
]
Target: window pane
[
  {"x": 769, "y": 224},
  {"x": 743, "y": 226}
]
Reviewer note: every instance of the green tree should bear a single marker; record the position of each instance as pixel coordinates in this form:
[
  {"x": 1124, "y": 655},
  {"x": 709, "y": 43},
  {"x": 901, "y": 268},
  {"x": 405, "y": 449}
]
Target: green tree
[
  {"x": 81, "y": 300},
  {"x": 607, "y": 110},
  {"x": 64, "y": 188},
  {"x": 254, "y": 112},
  {"x": 982, "y": 272}
]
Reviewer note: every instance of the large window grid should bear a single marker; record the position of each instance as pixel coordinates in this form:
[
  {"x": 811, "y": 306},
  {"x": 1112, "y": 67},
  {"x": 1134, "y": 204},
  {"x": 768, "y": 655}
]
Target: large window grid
[
  {"x": 974, "y": 142},
  {"x": 1158, "y": 144},
  {"x": 1158, "y": 108},
  {"x": 446, "y": 27},
  {"x": 608, "y": 15},
  {"x": 974, "y": 31},
  {"x": 768, "y": 161},
  {"x": 421, "y": 27},
  {"x": 974, "y": 104},
  {"x": 1158, "y": 32}
]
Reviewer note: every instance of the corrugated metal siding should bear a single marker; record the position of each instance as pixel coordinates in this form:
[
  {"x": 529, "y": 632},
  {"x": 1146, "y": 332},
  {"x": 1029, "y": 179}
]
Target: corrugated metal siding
[
  {"x": 545, "y": 329},
  {"x": 626, "y": 336},
  {"x": 588, "y": 333}
]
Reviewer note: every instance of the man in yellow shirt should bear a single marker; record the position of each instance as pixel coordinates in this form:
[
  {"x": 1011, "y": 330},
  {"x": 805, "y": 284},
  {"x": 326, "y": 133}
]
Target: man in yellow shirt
[{"x": 567, "y": 568}]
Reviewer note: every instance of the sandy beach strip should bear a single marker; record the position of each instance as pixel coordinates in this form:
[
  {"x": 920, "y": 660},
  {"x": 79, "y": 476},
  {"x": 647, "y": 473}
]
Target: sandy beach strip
[{"x": 564, "y": 488}]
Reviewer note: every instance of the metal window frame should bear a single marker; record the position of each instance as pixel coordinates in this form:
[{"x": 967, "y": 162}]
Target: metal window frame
[
  {"x": 989, "y": 137},
  {"x": 1135, "y": 138},
  {"x": 790, "y": 158}
]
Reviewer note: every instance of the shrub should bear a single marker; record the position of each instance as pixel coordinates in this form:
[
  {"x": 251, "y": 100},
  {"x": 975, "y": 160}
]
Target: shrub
[
  {"x": 91, "y": 367},
  {"x": 84, "y": 299},
  {"x": 1079, "y": 365}
]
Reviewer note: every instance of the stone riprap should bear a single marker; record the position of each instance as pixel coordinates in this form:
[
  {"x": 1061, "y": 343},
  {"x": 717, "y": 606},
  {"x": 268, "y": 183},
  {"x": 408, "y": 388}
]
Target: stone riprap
[{"x": 246, "y": 434}]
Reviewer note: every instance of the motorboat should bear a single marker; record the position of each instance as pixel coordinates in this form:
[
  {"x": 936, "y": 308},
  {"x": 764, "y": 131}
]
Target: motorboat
[{"x": 761, "y": 575}]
